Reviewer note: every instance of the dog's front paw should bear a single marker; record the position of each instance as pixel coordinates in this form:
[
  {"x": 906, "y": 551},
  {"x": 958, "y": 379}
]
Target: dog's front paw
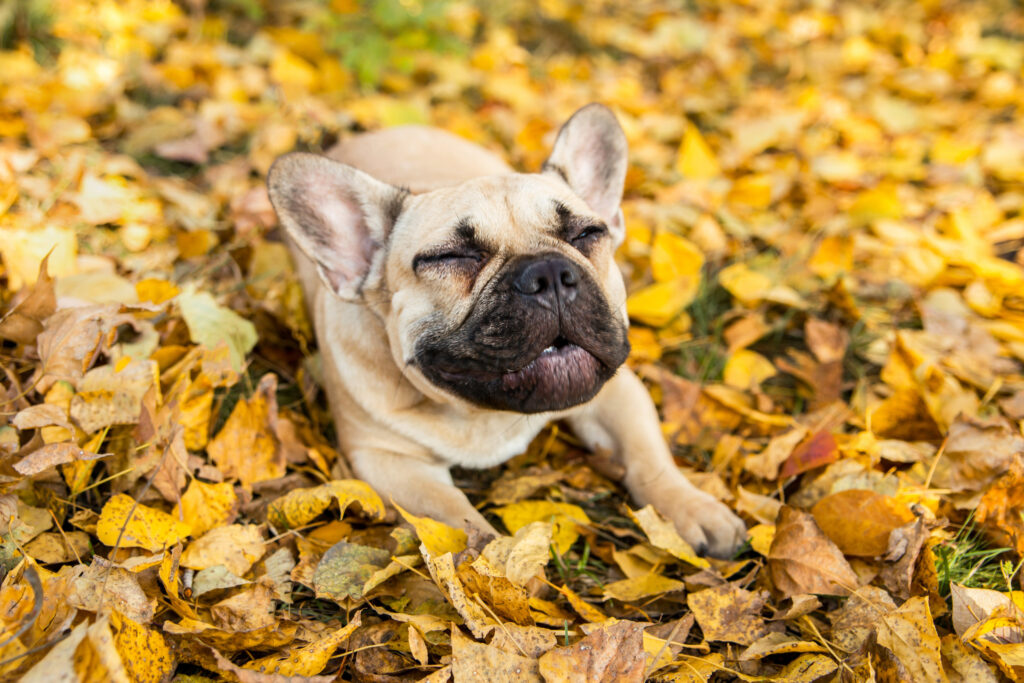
[{"x": 704, "y": 522}]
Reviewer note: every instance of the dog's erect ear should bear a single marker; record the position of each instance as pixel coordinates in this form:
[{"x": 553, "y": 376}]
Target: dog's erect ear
[
  {"x": 338, "y": 215},
  {"x": 590, "y": 154}
]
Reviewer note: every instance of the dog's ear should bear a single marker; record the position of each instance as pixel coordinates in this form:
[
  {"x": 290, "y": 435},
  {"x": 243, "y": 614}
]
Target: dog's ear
[
  {"x": 338, "y": 215},
  {"x": 590, "y": 154}
]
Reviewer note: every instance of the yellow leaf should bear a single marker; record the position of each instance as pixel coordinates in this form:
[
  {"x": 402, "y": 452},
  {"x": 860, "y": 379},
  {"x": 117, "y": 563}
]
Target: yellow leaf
[
  {"x": 143, "y": 526},
  {"x": 880, "y": 202},
  {"x": 746, "y": 369},
  {"x": 245, "y": 447},
  {"x": 696, "y": 160},
  {"x": 673, "y": 256},
  {"x": 752, "y": 190},
  {"x": 308, "y": 660},
  {"x": 748, "y": 286},
  {"x": 293, "y": 72},
  {"x": 643, "y": 345},
  {"x": 833, "y": 256},
  {"x": 205, "y": 506},
  {"x": 144, "y": 651},
  {"x": 563, "y": 515},
  {"x": 662, "y": 534},
  {"x": 438, "y": 537},
  {"x": 299, "y": 507},
  {"x": 639, "y": 588},
  {"x": 23, "y": 249},
  {"x": 761, "y": 536},
  {"x": 658, "y": 304},
  {"x": 583, "y": 608},
  {"x": 236, "y": 546}
]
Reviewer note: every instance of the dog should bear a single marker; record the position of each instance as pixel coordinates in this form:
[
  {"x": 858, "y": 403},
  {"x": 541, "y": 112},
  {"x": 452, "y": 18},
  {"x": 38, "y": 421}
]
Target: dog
[{"x": 459, "y": 307}]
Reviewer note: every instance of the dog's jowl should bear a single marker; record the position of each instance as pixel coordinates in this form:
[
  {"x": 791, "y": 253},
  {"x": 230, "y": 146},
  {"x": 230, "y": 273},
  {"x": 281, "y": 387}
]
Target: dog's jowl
[{"x": 460, "y": 306}]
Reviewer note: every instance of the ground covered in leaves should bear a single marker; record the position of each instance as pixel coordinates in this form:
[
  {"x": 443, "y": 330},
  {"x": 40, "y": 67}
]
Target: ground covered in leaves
[{"x": 824, "y": 214}]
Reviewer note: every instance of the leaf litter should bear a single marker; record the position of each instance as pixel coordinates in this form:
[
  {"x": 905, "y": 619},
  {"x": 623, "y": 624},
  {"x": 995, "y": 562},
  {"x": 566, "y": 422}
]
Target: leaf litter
[{"x": 824, "y": 232}]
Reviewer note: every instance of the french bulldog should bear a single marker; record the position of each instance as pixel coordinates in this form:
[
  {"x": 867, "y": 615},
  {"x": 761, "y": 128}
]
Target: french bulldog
[{"x": 460, "y": 307}]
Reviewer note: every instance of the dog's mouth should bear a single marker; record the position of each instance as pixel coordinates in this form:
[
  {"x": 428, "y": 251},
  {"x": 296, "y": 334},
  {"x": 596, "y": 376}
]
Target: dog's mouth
[
  {"x": 562, "y": 375},
  {"x": 562, "y": 362}
]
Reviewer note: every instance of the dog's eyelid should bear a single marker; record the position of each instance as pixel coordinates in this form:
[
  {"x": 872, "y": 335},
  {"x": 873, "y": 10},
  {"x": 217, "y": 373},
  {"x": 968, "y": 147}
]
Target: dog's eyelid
[
  {"x": 594, "y": 230},
  {"x": 477, "y": 256}
]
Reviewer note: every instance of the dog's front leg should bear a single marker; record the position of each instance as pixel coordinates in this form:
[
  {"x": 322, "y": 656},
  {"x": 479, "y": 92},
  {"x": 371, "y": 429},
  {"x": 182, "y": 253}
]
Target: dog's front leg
[
  {"x": 623, "y": 420},
  {"x": 422, "y": 488}
]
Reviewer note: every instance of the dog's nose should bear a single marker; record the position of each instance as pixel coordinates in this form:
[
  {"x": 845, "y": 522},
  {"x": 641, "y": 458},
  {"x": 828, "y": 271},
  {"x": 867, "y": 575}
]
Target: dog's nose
[{"x": 547, "y": 279}]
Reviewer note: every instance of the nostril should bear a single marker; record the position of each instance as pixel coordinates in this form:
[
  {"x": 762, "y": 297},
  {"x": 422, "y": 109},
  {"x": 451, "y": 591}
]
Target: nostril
[{"x": 568, "y": 278}]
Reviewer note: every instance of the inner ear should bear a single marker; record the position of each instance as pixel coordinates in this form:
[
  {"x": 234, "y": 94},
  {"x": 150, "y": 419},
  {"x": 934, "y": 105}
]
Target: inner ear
[
  {"x": 337, "y": 215},
  {"x": 590, "y": 155}
]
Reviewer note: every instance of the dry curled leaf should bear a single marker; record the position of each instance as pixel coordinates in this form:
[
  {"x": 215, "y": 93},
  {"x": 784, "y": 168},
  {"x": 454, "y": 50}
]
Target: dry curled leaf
[{"x": 802, "y": 559}]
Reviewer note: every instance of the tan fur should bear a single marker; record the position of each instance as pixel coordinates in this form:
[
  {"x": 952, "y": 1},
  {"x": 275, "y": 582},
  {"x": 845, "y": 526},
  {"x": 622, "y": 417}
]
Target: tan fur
[{"x": 400, "y": 432}]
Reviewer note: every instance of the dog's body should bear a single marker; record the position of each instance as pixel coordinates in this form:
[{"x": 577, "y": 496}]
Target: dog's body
[{"x": 459, "y": 315}]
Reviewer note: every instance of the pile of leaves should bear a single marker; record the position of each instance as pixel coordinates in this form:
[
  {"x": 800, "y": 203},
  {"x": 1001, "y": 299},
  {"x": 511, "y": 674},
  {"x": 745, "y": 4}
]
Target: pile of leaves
[{"x": 825, "y": 215}]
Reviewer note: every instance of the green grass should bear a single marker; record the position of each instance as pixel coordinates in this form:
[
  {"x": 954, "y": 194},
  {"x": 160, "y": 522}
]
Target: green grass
[{"x": 969, "y": 560}]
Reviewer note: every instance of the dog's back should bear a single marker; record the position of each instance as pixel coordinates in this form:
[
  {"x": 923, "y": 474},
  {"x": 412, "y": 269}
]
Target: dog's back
[{"x": 418, "y": 158}]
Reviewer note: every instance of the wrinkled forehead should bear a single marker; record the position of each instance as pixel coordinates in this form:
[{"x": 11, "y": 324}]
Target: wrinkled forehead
[{"x": 524, "y": 204}]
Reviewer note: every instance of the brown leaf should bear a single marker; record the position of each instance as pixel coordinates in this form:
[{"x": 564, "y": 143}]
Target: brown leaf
[
  {"x": 1002, "y": 505},
  {"x": 472, "y": 661},
  {"x": 71, "y": 340},
  {"x": 610, "y": 653},
  {"x": 248, "y": 610},
  {"x": 112, "y": 394},
  {"x": 803, "y": 560},
  {"x": 52, "y": 455},
  {"x": 24, "y": 321},
  {"x": 909, "y": 634},
  {"x": 101, "y": 585},
  {"x": 766, "y": 463},
  {"x": 41, "y": 415},
  {"x": 729, "y": 613},
  {"x": 977, "y": 452},
  {"x": 827, "y": 341},
  {"x": 901, "y": 555},
  {"x": 855, "y": 621}
]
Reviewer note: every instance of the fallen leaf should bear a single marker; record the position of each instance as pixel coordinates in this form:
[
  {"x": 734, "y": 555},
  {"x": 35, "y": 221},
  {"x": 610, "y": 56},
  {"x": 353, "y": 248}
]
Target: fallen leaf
[
  {"x": 612, "y": 651},
  {"x": 859, "y": 522},
  {"x": 127, "y": 524},
  {"x": 210, "y": 325},
  {"x": 245, "y": 448},
  {"x": 856, "y": 620},
  {"x": 908, "y": 632},
  {"x": 52, "y": 455},
  {"x": 562, "y": 515},
  {"x": 476, "y": 662},
  {"x": 236, "y": 546},
  {"x": 803, "y": 560},
  {"x": 437, "y": 537},
  {"x": 662, "y": 534},
  {"x": 728, "y": 613},
  {"x": 641, "y": 587},
  {"x": 308, "y": 660},
  {"x": 300, "y": 507},
  {"x": 206, "y": 506},
  {"x": 345, "y": 568}
]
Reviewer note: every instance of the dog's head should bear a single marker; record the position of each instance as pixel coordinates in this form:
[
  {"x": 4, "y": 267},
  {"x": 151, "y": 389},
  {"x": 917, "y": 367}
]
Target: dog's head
[{"x": 501, "y": 291}]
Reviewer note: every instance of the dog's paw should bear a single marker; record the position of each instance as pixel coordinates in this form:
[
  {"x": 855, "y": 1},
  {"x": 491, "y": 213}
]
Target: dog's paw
[{"x": 705, "y": 523}]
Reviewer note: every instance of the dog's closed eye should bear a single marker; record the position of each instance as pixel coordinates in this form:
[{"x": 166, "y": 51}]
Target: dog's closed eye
[
  {"x": 588, "y": 236},
  {"x": 468, "y": 260}
]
